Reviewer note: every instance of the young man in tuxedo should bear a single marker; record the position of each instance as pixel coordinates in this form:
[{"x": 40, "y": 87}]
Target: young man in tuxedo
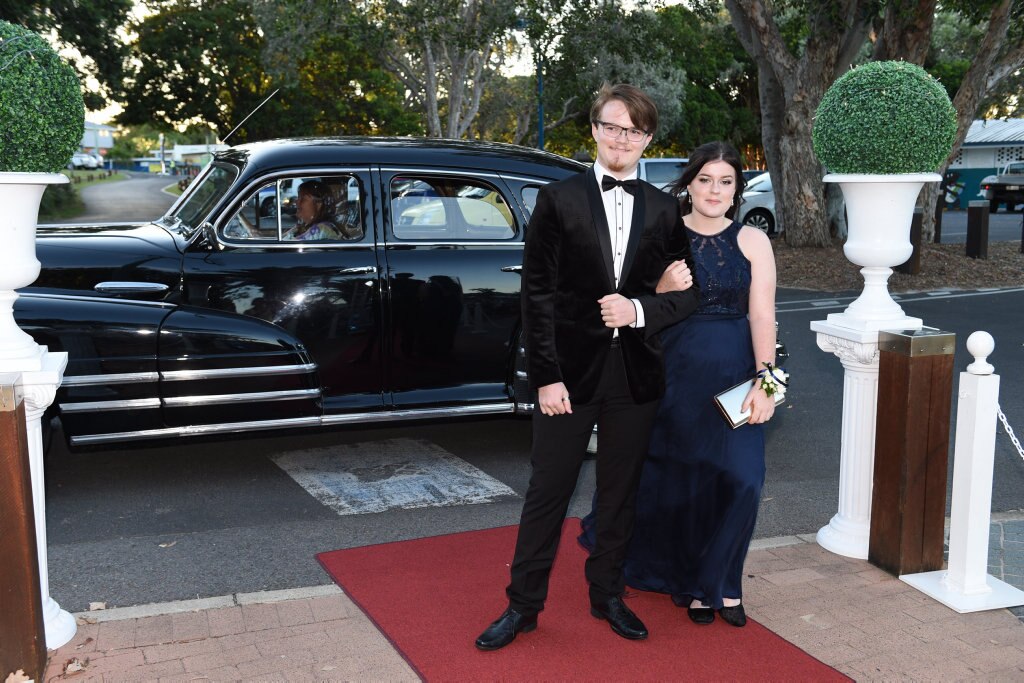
[{"x": 596, "y": 246}]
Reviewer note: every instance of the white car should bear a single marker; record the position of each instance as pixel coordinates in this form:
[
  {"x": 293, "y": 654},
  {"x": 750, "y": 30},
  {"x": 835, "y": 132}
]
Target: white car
[
  {"x": 82, "y": 160},
  {"x": 662, "y": 173},
  {"x": 758, "y": 207}
]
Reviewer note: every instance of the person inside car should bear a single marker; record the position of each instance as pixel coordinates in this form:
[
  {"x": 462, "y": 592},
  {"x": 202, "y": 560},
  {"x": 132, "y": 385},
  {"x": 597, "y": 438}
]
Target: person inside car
[{"x": 314, "y": 212}]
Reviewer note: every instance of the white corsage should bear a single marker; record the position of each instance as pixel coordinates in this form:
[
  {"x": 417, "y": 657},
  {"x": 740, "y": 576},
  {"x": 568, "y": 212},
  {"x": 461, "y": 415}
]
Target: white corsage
[{"x": 773, "y": 380}]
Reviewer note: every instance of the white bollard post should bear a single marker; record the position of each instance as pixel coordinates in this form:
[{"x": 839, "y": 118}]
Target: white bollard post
[{"x": 965, "y": 585}]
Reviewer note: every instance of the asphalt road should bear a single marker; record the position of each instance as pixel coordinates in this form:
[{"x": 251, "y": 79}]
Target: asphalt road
[{"x": 197, "y": 518}]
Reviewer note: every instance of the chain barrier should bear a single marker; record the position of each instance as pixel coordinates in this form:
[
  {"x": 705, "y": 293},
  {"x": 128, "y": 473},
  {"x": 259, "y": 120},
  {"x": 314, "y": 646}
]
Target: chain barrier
[{"x": 1009, "y": 431}]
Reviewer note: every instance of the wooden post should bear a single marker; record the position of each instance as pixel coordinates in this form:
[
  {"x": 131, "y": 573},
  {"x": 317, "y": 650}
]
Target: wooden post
[
  {"x": 977, "y": 229},
  {"x": 908, "y": 505},
  {"x": 22, "y": 633},
  {"x": 912, "y": 266},
  {"x": 940, "y": 206}
]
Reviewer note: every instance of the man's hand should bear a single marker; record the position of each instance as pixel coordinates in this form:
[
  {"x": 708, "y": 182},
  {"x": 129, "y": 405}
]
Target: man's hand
[
  {"x": 554, "y": 399},
  {"x": 617, "y": 310},
  {"x": 676, "y": 278}
]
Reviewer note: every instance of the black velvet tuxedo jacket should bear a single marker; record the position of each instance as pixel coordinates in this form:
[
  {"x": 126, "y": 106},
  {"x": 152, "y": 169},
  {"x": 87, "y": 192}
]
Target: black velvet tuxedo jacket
[{"x": 567, "y": 267}]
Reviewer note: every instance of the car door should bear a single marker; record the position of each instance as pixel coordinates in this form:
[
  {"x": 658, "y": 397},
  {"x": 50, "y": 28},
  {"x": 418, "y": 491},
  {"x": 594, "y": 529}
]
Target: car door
[
  {"x": 453, "y": 251},
  {"x": 322, "y": 293}
]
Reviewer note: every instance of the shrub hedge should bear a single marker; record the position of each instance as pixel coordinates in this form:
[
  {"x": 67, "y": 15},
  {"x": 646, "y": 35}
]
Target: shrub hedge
[
  {"x": 882, "y": 118},
  {"x": 42, "y": 116}
]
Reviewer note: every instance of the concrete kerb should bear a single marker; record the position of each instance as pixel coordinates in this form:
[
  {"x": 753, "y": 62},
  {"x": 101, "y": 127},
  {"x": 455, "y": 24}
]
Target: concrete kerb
[{"x": 326, "y": 590}]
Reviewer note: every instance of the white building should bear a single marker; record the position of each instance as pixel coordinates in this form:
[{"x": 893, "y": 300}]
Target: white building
[{"x": 989, "y": 146}]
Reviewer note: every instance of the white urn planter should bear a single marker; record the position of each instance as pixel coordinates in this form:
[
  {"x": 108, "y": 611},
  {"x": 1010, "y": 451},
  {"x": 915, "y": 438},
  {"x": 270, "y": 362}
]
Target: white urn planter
[
  {"x": 880, "y": 209},
  {"x": 20, "y": 194}
]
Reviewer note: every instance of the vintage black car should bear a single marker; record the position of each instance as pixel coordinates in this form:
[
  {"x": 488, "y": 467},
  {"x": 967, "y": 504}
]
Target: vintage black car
[{"x": 215, "y": 318}]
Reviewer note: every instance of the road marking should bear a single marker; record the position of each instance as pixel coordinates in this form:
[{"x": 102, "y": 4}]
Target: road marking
[
  {"x": 384, "y": 475},
  {"x": 904, "y": 298}
]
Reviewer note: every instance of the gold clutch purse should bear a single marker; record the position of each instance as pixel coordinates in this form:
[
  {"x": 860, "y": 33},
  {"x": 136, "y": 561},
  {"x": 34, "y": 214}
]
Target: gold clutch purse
[{"x": 730, "y": 401}]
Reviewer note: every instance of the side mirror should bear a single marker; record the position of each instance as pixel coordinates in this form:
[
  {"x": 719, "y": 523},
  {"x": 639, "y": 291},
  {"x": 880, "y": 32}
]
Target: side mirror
[{"x": 210, "y": 236}]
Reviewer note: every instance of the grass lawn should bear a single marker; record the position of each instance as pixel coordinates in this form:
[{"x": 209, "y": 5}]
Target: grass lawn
[{"x": 63, "y": 201}]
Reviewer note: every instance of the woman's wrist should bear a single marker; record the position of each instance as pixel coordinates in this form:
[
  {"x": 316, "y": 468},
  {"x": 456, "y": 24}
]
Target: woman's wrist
[{"x": 772, "y": 380}]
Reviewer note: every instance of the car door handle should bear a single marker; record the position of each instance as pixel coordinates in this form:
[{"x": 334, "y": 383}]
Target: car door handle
[
  {"x": 130, "y": 288},
  {"x": 511, "y": 269},
  {"x": 359, "y": 270}
]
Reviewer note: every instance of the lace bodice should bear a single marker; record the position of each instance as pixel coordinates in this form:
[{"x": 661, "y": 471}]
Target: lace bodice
[{"x": 723, "y": 272}]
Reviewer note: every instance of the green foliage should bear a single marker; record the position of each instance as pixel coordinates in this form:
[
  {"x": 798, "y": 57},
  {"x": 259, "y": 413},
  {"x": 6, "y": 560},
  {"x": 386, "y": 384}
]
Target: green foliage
[
  {"x": 42, "y": 116},
  {"x": 884, "y": 117},
  {"x": 88, "y": 26}
]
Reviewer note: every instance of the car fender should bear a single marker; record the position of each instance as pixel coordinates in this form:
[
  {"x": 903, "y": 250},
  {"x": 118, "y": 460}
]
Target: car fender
[{"x": 176, "y": 369}]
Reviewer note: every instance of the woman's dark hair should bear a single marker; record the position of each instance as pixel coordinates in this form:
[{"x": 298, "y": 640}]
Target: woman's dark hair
[
  {"x": 321, "y": 192},
  {"x": 707, "y": 153}
]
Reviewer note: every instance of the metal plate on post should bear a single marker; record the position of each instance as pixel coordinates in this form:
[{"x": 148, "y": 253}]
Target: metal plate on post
[{"x": 927, "y": 341}]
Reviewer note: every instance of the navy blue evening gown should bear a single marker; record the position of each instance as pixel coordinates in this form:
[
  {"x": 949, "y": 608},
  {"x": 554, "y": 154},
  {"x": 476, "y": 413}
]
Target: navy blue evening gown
[{"x": 702, "y": 480}]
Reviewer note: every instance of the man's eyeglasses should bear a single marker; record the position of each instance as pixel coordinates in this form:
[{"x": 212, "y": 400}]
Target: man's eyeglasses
[{"x": 610, "y": 130}]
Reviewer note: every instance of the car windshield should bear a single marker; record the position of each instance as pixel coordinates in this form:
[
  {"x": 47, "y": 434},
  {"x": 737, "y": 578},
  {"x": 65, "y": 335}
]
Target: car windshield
[
  {"x": 203, "y": 195},
  {"x": 761, "y": 183}
]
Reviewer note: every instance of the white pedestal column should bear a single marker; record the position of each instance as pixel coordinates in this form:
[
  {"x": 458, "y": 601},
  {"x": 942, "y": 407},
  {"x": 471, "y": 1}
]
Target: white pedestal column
[
  {"x": 40, "y": 388},
  {"x": 849, "y": 530}
]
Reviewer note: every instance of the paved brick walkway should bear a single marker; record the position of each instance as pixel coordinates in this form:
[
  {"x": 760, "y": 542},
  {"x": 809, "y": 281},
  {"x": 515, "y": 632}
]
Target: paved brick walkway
[{"x": 847, "y": 613}]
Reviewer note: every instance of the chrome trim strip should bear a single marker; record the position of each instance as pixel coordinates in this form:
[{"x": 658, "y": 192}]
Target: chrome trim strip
[
  {"x": 130, "y": 287},
  {"x": 216, "y": 399},
  {"x": 101, "y": 299},
  {"x": 512, "y": 242},
  {"x": 427, "y": 170},
  {"x": 419, "y": 413},
  {"x": 541, "y": 181},
  {"x": 103, "y": 380},
  {"x": 381, "y": 416},
  {"x": 196, "y": 430},
  {"x": 252, "y": 371},
  {"x": 100, "y": 406}
]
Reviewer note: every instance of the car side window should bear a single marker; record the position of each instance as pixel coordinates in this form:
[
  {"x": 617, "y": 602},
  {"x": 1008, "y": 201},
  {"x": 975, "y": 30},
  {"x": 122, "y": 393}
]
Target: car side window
[
  {"x": 322, "y": 209},
  {"x": 663, "y": 172},
  {"x": 448, "y": 209},
  {"x": 529, "y": 197}
]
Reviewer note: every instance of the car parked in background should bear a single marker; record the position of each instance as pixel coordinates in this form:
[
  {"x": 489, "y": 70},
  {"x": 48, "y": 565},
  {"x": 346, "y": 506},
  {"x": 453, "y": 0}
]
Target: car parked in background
[
  {"x": 215, "y": 319},
  {"x": 80, "y": 160},
  {"x": 661, "y": 173},
  {"x": 758, "y": 207}
]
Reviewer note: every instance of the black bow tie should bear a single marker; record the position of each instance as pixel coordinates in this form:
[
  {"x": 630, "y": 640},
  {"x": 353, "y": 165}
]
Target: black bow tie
[{"x": 630, "y": 186}]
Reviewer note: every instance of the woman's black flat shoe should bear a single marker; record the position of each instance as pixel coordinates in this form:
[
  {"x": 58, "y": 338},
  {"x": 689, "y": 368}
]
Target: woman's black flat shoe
[
  {"x": 701, "y": 615},
  {"x": 734, "y": 616}
]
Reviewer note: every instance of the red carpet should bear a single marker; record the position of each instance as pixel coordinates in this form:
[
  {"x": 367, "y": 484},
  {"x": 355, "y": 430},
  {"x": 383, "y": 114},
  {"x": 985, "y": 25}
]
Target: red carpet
[{"x": 433, "y": 596}]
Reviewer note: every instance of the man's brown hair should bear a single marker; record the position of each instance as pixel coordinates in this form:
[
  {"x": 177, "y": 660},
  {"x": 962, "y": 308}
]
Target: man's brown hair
[{"x": 640, "y": 106}]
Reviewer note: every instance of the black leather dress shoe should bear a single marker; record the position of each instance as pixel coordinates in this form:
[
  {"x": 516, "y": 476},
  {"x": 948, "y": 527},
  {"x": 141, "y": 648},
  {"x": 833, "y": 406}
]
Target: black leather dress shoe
[
  {"x": 505, "y": 629},
  {"x": 701, "y": 615},
  {"x": 621, "y": 618},
  {"x": 735, "y": 616}
]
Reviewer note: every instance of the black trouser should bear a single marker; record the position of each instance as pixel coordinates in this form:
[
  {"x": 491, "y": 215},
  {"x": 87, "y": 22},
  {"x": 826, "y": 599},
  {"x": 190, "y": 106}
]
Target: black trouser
[{"x": 559, "y": 446}]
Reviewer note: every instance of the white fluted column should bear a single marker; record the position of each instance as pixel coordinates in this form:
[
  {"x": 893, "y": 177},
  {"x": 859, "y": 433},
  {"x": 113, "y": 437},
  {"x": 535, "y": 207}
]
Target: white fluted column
[
  {"x": 40, "y": 388},
  {"x": 849, "y": 530}
]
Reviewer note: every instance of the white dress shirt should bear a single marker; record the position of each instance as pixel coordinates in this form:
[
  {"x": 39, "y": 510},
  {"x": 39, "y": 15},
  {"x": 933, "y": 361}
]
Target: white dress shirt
[{"x": 618, "y": 209}]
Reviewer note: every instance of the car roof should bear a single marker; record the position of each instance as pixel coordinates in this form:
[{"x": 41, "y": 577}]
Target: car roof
[{"x": 474, "y": 154}]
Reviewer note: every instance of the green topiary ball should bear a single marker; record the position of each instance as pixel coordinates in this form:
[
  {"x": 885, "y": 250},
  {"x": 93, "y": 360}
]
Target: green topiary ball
[
  {"x": 884, "y": 117},
  {"x": 42, "y": 116}
]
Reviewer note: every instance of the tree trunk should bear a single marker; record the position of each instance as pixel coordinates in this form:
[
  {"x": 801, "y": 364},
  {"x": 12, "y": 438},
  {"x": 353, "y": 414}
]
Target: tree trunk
[
  {"x": 906, "y": 32},
  {"x": 837, "y": 29}
]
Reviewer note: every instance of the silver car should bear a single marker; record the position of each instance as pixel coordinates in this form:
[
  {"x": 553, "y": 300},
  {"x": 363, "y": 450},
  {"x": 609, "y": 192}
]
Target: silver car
[{"x": 758, "y": 207}]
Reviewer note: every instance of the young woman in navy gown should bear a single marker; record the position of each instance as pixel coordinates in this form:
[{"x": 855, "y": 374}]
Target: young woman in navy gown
[{"x": 702, "y": 480}]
